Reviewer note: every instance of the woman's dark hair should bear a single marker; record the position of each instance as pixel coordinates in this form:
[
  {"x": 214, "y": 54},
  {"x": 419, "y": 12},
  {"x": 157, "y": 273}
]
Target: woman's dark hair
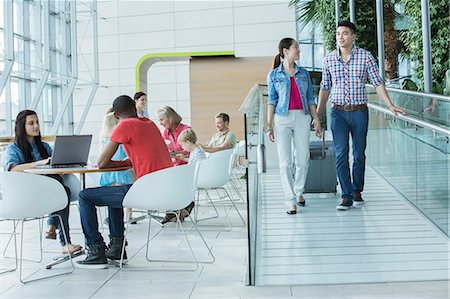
[
  {"x": 285, "y": 43},
  {"x": 139, "y": 94},
  {"x": 21, "y": 137}
]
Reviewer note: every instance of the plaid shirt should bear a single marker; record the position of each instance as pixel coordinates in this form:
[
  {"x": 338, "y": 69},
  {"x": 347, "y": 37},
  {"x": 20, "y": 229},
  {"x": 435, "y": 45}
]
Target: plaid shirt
[{"x": 347, "y": 79}]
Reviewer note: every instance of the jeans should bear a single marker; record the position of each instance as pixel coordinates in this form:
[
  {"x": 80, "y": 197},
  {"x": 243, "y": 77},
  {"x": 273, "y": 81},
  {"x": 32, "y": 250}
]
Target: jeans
[
  {"x": 110, "y": 196},
  {"x": 343, "y": 124},
  {"x": 293, "y": 129},
  {"x": 64, "y": 213}
]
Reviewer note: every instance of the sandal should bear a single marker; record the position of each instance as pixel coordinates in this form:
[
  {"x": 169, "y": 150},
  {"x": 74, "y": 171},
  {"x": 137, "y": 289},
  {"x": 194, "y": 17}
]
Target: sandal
[
  {"x": 168, "y": 218},
  {"x": 70, "y": 248}
]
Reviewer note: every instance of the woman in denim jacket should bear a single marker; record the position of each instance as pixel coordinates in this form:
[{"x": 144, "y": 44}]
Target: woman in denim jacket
[{"x": 291, "y": 105}]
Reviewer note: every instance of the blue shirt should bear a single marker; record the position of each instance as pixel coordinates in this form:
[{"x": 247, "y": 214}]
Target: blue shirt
[
  {"x": 196, "y": 155},
  {"x": 14, "y": 155},
  {"x": 122, "y": 177},
  {"x": 279, "y": 89}
]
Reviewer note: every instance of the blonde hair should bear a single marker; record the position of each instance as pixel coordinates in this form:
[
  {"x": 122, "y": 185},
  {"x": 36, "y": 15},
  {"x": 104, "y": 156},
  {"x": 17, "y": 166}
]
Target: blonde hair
[
  {"x": 109, "y": 123},
  {"x": 187, "y": 135},
  {"x": 168, "y": 112}
]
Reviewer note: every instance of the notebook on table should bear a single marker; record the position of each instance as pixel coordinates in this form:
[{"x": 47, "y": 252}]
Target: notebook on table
[{"x": 70, "y": 151}]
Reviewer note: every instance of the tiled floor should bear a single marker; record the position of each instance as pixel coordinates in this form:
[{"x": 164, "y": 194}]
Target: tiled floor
[
  {"x": 387, "y": 240},
  {"x": 226, "y": 278}
]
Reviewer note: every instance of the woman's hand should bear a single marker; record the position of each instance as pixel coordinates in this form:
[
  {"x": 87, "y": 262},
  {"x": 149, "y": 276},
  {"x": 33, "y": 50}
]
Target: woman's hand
[
  {"x": 181, "y": 156},
  {"x": 44, "y": 161},
  {"x": 270, "y": 134},
  {"x": 317, "y": 127}
]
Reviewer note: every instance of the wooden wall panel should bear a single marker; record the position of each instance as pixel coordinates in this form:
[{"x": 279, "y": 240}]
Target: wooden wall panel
[{"x": 220, "y": 84}]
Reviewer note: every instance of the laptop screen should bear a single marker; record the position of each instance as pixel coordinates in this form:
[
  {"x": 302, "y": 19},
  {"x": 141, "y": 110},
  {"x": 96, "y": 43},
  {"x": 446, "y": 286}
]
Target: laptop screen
[{"x": 71, "y": 150}]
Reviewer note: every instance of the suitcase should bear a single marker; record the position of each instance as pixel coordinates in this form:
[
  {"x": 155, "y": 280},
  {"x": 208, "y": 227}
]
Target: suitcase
[{"x": 321, "y": 176}]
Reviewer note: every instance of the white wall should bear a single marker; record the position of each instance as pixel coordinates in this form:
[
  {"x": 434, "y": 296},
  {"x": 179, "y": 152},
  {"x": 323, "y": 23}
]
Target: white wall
[{"x": 128, "y": 30}]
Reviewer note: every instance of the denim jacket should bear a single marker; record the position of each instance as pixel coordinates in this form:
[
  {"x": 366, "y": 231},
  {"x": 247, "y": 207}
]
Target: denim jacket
[
  {"x": 14, "y": 155},
  {"x": 279, "y": 89}
]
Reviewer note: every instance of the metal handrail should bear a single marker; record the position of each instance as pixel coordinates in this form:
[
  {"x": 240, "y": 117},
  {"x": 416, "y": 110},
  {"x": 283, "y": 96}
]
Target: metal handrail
[
  {"x": 261, "y": 153},
  {"x": 411, "y": 119},
  {"x": 417, "y": 93}
]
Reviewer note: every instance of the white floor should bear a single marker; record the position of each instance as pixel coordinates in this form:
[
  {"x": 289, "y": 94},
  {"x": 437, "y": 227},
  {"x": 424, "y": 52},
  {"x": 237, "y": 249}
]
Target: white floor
[
  {"x": 387, "y": 240},
  {"x": 226, "y": 278}
]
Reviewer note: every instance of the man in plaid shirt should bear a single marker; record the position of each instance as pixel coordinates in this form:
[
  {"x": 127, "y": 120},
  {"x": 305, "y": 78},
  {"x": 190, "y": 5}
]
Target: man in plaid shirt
[{"x": 344, "y": 74}]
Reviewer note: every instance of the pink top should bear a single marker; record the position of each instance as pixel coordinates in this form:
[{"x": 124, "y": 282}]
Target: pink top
[
  {"x": 174, "y": 145},
  {"x": 295, "y": 102}
]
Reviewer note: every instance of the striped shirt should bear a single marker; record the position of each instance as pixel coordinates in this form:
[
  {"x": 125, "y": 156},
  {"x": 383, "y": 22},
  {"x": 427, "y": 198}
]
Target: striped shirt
[{"x": 347, "y": 79}]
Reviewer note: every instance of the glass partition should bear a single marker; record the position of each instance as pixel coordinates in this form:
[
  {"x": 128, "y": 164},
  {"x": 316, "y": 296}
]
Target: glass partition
[
  {"x": 413, "y": 159},
  {"x": 253, "y": 109},
  {"x": 435, "y": 109}
]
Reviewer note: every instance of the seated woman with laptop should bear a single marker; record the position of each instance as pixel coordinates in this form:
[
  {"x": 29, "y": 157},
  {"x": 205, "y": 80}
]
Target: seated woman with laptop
[{"x": 28, "y": 151}]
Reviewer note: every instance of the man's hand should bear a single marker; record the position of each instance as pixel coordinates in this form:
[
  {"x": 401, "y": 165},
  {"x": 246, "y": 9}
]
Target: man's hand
[
  {"x": 317, "y": 127},
  {"x": 396, "y": 110}
]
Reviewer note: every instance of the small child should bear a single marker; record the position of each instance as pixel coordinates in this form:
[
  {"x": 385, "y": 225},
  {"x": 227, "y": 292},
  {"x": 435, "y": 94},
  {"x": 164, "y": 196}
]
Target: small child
[{"x": 188, "y": 140}]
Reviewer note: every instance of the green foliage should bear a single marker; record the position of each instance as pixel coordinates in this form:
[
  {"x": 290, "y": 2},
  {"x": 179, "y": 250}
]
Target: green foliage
[
  {"x": 323, "y": 12},
  {"x": 440, "y": 38}
]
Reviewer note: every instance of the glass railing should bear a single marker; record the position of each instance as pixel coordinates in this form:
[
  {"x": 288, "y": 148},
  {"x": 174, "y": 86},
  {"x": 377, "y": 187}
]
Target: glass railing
[
  {"x": 413, "y": 155},
  {"x": 253, "y": 108},
  {"x": 428, "y": 107}
]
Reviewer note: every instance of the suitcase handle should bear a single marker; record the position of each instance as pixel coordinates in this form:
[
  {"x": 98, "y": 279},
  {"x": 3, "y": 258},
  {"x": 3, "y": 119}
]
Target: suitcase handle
[{"x": 324, "y": 154}]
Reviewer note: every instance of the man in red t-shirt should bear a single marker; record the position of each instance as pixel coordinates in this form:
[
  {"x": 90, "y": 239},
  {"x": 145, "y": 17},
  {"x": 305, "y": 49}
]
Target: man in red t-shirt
[{"x": 147, "y": 153}]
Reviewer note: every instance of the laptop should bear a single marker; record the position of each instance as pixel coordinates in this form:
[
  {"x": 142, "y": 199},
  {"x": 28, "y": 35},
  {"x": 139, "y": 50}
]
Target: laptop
[{"x": 70, "y": 151}]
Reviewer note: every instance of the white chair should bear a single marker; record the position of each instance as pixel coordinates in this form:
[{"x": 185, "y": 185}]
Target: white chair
[
  {"x": 171, "y": 189},
  {"x": 214, "y": 174},
  {"x": 232, "y": 154},
  {"x": 28, "y": 197}
]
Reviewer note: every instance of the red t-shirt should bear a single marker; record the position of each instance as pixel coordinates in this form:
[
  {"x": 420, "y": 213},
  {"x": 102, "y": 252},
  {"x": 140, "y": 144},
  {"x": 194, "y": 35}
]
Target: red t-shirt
[
  {"x": 295, "y": 102},
  {"x": 143, "y": 144}
]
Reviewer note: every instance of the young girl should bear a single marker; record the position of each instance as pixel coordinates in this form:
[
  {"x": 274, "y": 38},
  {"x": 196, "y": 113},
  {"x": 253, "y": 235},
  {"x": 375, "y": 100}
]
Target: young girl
[
  {"x": 114, "y": 178},
  {"x": 26, "y": 152}
]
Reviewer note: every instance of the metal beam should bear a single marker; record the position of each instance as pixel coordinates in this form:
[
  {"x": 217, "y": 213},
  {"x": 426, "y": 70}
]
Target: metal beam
[
  {"x": 380, "y": 37},
  {"x": 43, "y": 80},
  {"x": 9, "y": 43},
  {"x": 337, "y": 11},
  {"x": 96, "y": 68},
  {"x": 352, "y": 11},
  {"x": 426, "y": 38},
  {"x": 68, "y": 93}
]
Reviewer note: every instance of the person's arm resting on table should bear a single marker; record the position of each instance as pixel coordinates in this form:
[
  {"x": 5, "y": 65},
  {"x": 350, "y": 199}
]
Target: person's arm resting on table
[{"x": 104, "y": 161}]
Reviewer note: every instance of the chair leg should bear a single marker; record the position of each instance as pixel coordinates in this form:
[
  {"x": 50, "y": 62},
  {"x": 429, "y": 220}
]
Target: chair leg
[
  {"x": 234, "y": 205},
  {"x": 13, "y": 235},
  {"x": 25, "y": 280},
  {"x": 204, "y": 241},
  {"x": 212, "y": 204}
]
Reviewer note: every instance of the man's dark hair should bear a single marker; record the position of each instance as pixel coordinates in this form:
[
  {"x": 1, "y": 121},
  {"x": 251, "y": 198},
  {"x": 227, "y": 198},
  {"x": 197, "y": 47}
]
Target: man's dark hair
[
  {"x": 124, "y": 106},
  {"x": 225, "y": 117},
  {"x": 347, "y": 24}
]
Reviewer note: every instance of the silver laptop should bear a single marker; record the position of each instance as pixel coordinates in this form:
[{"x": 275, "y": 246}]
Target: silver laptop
[{"x": 70, "y": 151}]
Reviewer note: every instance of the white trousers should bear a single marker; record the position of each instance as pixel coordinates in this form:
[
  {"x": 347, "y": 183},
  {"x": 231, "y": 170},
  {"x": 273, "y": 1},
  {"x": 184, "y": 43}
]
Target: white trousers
[{"x": 292, "y": 132}]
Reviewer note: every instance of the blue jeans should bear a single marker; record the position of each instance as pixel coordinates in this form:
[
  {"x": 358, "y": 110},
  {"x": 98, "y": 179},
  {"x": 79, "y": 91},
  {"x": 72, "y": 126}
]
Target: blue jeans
[
  {"x": 110, "y": 196},
  {"x": 64, "y": 213},
  {"x": 344, "y": 123}
]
